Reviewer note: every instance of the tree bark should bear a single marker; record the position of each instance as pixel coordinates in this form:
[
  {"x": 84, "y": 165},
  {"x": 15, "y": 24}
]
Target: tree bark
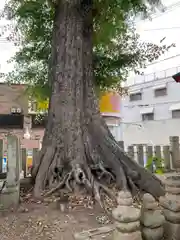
[{"x": 77, "y": 141}]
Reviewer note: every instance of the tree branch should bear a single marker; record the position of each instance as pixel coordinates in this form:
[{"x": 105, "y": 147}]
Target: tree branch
[{"x": 52, "y": 3}]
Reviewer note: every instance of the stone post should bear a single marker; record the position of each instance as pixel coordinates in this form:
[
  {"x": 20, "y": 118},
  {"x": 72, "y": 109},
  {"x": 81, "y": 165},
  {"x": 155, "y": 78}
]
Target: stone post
[
  {"x": 1, "y": 155},
  {"x": 24, "y": 158},
  {"x": 126, "y": 218},
  {"x": 171, "y": 208},
  {"x": 152, "y": 219},
  {"x": 10, "y": 195},
  {"x": 175, "y": 154},
  {"x": 131, "y": 151},
  {"x": 167, "y": 159},
  {"x": 121, "y": 144},
  {"x": 140, "y": 154}
]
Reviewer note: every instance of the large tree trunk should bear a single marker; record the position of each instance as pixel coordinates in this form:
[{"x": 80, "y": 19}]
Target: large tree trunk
[{"x": 77, "y": 141}]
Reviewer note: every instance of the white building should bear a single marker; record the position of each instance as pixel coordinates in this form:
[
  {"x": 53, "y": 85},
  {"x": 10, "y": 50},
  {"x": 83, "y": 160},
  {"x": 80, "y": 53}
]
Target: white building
[{"x": 151, "y": 111}]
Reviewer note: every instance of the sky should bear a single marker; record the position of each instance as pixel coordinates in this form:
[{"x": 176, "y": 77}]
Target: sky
[{"x": 162, "y": 25}]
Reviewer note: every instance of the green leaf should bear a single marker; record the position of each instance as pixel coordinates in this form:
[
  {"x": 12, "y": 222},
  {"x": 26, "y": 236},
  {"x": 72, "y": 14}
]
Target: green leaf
[{"x": 117, "y": 48}]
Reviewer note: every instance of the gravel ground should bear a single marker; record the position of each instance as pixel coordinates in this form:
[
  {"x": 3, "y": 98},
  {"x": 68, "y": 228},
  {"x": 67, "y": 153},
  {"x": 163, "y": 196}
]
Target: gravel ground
[{"x": 38, "y": 221}]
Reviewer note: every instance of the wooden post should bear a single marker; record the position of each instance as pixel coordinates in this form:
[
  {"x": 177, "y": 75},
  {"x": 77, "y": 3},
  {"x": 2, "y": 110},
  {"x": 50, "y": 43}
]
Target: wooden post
[
  {"x": 175, "y": 155},
  {"x": 149, "y": 154},
  {"x": 166, "y": 155},
  {"x": 131, "y": 151},
  {"x": 24, "y": 158},
  {"x": 121, "y": 144},
  {"x": 1, "y": 155},
  {"x": 140, "y": 154}
]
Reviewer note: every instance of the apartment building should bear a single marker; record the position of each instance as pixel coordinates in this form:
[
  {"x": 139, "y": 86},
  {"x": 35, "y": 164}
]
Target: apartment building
[
  {"x": 15, "y": 117},
  {"x": 151, "y": 111}
]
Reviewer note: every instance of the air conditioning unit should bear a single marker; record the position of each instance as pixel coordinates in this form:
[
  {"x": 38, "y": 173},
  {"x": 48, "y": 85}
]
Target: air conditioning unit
[
  {"x": 18, "y": 110},
  {"x": 13, "y": 110}
]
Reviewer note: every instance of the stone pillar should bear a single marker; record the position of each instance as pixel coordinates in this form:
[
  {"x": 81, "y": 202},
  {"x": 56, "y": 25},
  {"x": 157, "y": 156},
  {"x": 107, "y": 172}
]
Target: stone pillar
[
  {"x": 121, "y": 144},
  {"x": 140, "y": 154},
  {"x": 175, "y": 154},
  {"x": 126, "y": 218},
  {"x": 10, "y": 195},
  {"x": 24, "y": 158},
  {"x": 171, "y": 208},
  {"x": 1, "y": 155},
  {"x": 152, "y": 219}
]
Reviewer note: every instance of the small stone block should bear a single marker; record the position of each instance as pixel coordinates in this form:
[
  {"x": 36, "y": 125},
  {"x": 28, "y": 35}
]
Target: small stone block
[
  {"x": 170, "y": 202},
  {"x": 127, "y": 227},
  {"x": 125, "y": 202},
  {"x": 173, "y": 190},
  {"x": 124, "y": 195},
  {"x": 152, "y": 234},
  {"x": 150, "y": 205},
  {"x": 126, "y": 214},
  {"x": 148, "y": 198},
  {"x": 152, "y": 219},
  {"x": 173, "y": 217},
  {"x": 171, "y": 231},
  {"x": 127, "y": 236}
]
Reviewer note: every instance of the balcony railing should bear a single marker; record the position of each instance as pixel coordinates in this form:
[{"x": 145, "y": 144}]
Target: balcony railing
[{"x": 155, "y": 76}]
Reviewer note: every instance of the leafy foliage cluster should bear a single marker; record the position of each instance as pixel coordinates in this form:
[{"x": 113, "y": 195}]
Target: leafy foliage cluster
[
  {"x": 155, "y": 165},
  {"x": 117, "y": 46}
]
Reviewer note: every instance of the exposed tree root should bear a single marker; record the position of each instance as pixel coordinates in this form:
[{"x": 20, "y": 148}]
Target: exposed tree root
[{"x": 104, "y": 164}]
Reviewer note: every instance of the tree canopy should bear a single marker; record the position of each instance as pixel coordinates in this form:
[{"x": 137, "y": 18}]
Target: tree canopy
[{"x": 117, "y": 47}]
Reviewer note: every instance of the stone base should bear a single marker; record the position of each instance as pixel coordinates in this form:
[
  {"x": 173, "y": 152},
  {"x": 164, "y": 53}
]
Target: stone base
[
  {"x": 9, "y": 198},
  {"x": 127, "y": 236},
  {"x": 171, "y": 231},
  {"x": 152, "y": 234}
]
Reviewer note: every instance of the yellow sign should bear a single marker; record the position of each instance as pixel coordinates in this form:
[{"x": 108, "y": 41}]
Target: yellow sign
[
  {"x": 110, "y": 103},
  {"x": 43, "y": 105},
  {"x": 29, "y": 161}
]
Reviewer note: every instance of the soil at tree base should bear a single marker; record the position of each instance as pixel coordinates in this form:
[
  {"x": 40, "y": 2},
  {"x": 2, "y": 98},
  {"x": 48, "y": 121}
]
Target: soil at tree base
[{"x": 37, "y": 221}]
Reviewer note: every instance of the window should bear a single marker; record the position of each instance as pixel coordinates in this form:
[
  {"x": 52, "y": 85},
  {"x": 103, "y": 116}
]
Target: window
[
  {"x": 32, "y": 106},
  {"x": 12, "y": 121},
  {"x": 160, "y": 92},
  {"x": 39, "y": 120},
  {"x": 148, "y": 116},
  {"x": 135, "y": 96},
  {"x": 176, "y": 113},
  {"x": 175, "y": 110}
]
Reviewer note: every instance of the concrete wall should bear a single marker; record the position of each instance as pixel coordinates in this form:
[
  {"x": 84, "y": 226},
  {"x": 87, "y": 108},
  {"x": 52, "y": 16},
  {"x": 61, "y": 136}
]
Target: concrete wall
[
  {"x": 163, "y": 126},
  {"x": 13, "y": 96}
]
